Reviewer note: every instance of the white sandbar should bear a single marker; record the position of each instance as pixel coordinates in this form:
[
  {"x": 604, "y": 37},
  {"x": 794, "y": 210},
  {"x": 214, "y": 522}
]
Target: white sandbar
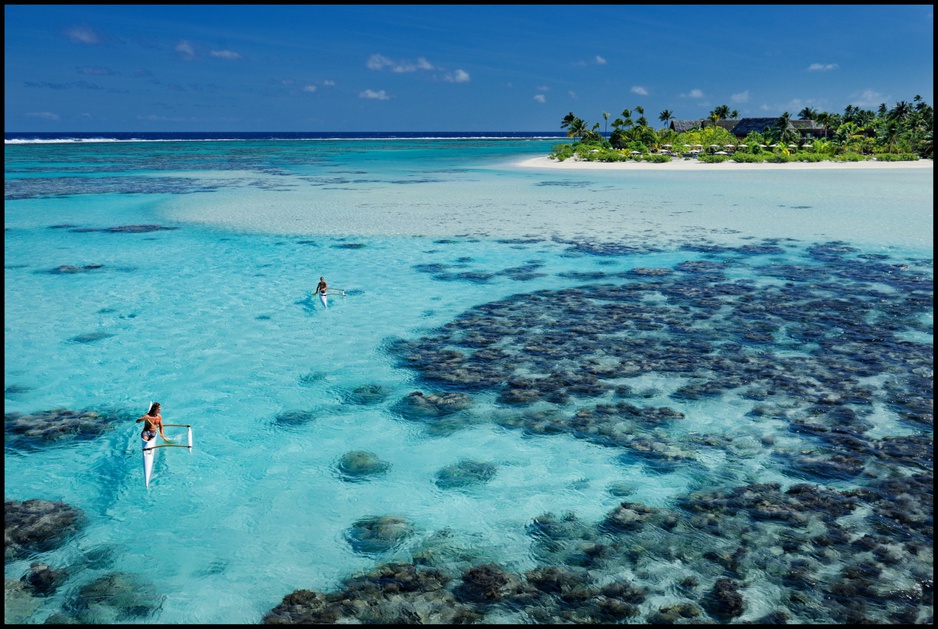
[{"x": 693, "y": 164}]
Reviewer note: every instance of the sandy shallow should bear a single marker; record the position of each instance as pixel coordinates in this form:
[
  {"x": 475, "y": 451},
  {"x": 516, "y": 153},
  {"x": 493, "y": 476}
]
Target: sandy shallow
[
  {"x": 664, "y": 212},
  {"x": 693, "y": 164}
]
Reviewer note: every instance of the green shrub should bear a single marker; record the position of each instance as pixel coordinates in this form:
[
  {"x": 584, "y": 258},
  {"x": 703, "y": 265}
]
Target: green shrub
[
  {"x": 778, "y": 158},
  {"x": 712, "y": 159},
  {"x": 746, "y": 158},
  {"x": 561, "y": 152},
  {"x": 802, "y": 156},
  {"x": 849, "y": 156},
  {"x": 895, "y": 157}
]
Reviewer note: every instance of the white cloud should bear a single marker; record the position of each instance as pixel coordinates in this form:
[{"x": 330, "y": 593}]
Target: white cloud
[
  {"x": 868, "y": 98},
  {"x": 543, "y": 88},
  {"x": 185, "y": 50},
  {"x": 377, "y": 62},
  {"x": 572, "y": 94},
  {"x": 695, "y": 93},
  {"x": 83, "y": 35},
  {"x": 407, "y": 66},
  {"x": 225, "y": 54},
  {"x": 47, "y": 115},
  {"x": 371, "y": 94},
  {"x": 328, "y": 83},
  {"x": 823, "y": 67},
  {"x": 741, "y": 97},
  {"x": 309, "y": 88},
  {"x": 638, "y": 89},
  {"x": 459, "y": 76},
  {"x": 540, "y": 98},
  {"x": 600, "y": 60},
  {"x": 380, "y": 62}
]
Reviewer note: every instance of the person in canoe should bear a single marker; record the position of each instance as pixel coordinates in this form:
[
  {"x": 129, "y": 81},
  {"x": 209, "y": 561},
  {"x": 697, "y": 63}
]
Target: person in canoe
[
  {"x": 322, "y": 287},
  {"x": 153, "y": 422}
]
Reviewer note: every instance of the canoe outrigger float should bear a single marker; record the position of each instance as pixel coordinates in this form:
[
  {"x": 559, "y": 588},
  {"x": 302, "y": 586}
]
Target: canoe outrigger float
[
  {"x": 323, "y": 295},
  {"x": 149, "y": 450}
]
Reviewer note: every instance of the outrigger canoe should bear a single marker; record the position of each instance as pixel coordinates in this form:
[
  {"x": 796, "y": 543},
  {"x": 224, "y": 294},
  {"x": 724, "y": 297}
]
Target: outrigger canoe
[
  {"x": 149, "y": 450},
  {"x": 323, "y": 297}
]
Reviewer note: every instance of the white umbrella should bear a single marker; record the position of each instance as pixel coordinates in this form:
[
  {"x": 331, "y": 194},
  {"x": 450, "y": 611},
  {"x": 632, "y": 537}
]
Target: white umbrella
[
  {"x": 729, "y": 146},
  {"x": 792, "y": 146}
]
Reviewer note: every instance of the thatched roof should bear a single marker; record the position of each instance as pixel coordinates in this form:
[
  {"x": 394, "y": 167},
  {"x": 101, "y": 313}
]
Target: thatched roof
[
  {"x": 807, "y": 126},
  {"x": 729, "y": 125},
  {"x": 682, "y": 126},
  {"x": 753, "y": 125}
]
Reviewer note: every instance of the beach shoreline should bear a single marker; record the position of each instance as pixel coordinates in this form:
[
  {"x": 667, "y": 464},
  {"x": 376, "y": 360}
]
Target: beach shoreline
[{"x": 693, "y": 164}]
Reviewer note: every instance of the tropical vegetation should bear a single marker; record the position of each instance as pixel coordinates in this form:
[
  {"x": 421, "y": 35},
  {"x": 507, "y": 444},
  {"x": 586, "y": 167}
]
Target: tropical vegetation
[{"x": 902, "y": 132}]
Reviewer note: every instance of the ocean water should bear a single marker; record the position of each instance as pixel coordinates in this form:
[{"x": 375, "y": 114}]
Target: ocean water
[{"x": 581, "y": 341}]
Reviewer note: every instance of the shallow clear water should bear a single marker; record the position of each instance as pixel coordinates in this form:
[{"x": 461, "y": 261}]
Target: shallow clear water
[{"x": 214, "y": 319}]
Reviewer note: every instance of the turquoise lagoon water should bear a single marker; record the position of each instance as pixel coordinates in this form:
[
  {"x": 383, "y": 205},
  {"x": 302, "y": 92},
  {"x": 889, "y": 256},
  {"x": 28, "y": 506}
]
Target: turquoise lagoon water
[{"x": 208, "y": 310}]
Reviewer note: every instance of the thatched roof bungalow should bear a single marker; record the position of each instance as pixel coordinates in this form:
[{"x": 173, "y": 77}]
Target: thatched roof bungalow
[
  {"x": 680, "y": 126},
  {"x": 753, "y": 125},
  {"x": 683, "y": 126},
  {"x": 806, "y": 128},
  {"x": 744, "y": 126}
]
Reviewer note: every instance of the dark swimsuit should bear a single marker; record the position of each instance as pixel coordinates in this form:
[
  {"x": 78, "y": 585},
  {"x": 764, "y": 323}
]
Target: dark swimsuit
[{"x": 148, "y": 433}]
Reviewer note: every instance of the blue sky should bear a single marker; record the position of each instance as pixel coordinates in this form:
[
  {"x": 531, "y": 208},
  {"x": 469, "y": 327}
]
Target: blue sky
[{"x": 448, "y": 67}]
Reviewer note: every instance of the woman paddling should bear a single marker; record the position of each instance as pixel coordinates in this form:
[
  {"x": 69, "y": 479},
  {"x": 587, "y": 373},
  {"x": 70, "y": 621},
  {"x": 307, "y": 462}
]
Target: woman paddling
[{"x": 153, "y": 422}]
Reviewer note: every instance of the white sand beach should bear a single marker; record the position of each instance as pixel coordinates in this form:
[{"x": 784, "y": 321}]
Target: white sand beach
[{"x": 693, "y": 164}]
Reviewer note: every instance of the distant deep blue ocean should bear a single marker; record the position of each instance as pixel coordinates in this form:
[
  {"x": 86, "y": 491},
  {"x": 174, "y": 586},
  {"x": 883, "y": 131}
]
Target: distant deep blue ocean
[
  {"x": 715, "y": 407},
  {"x": 272, "y": 135}
]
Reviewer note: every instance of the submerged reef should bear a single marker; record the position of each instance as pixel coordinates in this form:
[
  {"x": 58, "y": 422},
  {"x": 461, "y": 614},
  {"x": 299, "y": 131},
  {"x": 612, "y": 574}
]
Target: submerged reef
[
  {"x": 58, "y": 425},
  {"x": 35, "y": 526},
  {"x": 835, "y": 347}
]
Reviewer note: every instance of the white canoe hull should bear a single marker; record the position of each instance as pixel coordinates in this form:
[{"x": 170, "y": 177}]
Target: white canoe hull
[
  {"x": 148, "y": 454},
  {"x": 324, "y": 300}
]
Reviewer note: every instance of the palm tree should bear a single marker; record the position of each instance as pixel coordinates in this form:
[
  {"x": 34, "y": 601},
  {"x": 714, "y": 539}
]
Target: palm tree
[
  {"x": 808, "y": 114},
  {"x": 606, "y": 122},
  {"x": 627, "y": 118},
  {"x": 577, "y": 129},
  {"x": 666, "y": 116},
  {"x": 722, "y": 111},
  {"x": 901, "y": 111},
  {"x": 825, "y": 119},
  {"x": 567, "y": 120},
  {"x": 734, "y": 114},
  {"x": 888, "y": 133}
]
